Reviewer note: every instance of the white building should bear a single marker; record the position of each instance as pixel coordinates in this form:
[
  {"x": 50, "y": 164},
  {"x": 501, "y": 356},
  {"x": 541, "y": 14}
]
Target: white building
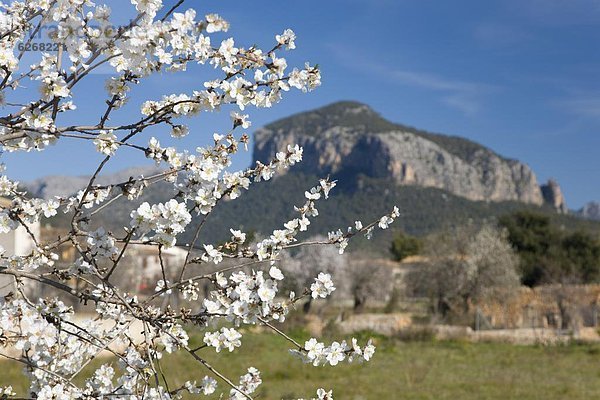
[
  {"x": 15, "y": 243},
  {"x": 143, "y": 266}
]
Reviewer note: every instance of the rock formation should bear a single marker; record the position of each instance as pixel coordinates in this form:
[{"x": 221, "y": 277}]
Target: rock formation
[
  {"x": 553, "y": 196},
  {"x": 591, "y": 210},
  {"x": 347, "y": 139}
]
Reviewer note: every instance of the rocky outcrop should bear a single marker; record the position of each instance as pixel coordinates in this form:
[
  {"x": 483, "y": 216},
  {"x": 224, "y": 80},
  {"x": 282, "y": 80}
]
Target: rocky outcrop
[
  {"x": 346, "y": 139},
  {"x": 591, "y": 210},
  {"x": 553, "y": 196}
]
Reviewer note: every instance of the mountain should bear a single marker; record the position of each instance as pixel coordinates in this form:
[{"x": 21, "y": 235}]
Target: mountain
[
  {"x": 59, "y": 185},
  {"x": 590, "y": 211},
  {"x": 347, "y": 139}
]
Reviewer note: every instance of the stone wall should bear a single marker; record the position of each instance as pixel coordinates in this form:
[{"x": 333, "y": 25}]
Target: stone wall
[{"x": 553, "y": 306}]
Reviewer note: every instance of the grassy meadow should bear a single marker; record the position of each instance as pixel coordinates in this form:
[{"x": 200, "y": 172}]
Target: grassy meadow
[{"x": 400, "y": 370}]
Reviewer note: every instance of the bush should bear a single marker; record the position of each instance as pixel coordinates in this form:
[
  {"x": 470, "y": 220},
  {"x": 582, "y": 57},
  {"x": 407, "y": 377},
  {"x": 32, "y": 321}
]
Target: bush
[
  {"x": 550, "y": 255},
  {"x": 404, "y": 246}
]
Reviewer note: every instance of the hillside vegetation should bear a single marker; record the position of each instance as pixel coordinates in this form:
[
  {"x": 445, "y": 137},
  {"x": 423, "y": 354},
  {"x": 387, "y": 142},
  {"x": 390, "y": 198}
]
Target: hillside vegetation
[{"x": 268, "y": 204}]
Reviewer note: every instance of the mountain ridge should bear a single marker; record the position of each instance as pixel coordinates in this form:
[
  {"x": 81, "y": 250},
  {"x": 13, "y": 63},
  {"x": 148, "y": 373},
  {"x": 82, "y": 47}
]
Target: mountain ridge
[
  {"x": 370, "y": 119},
  {"x": 348, "y": 138},
  {"x": 60, "y": 185}
]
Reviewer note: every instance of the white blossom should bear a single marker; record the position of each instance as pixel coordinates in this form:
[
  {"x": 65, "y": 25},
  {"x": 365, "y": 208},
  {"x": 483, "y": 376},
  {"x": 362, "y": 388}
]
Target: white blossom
[
  {"x": 106, "y": 143},
  {"x": 275, "y": 273},
  {"x": 226, "y": 338},
  {"x": 287, "y": 38},
  {"x": 322, "y": 287}
]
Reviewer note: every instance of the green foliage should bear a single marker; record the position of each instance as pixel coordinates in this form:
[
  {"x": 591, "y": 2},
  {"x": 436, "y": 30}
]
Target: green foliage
[
  {"x": 404, "y": 246},
  {"x": 532, "y": 237},
  {"x": 550, "y": 254},
  {"x": 582, "y": 255}
]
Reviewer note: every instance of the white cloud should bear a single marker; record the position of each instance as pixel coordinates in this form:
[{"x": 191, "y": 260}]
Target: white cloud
[
  {"x": 583, "y": 105},
  {"x": 464, "y": 96}
]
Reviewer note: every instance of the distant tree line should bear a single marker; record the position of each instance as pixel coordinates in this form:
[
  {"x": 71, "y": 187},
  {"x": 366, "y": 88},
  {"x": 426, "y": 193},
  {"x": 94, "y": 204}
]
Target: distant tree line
[
  {"x": 550, "y": 254},
  {"x": 547, "y": 252}
]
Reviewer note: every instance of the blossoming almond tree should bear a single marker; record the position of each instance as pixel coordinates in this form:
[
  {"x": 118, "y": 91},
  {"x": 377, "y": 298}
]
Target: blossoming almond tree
[{"x": 55, "y": 347}]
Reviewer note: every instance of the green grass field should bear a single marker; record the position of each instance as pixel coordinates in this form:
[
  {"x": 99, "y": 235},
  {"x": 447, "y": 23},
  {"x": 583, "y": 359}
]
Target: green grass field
[{"x": 401, "y": 370}]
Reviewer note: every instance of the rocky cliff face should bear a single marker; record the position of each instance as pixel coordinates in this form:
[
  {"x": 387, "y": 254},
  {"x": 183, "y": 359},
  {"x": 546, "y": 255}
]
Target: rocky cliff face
[
  {"x": 347, "y": 138},
  {"x": 553, "y": 196}
]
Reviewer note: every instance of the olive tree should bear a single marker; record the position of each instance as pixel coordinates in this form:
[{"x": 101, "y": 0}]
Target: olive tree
[
  {"x": 357, "y": 280},
  {"x": 463, "y": 266},
  {"x": 302, "y": 266}
]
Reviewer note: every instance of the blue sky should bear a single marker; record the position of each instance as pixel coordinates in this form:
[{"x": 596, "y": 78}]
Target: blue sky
[{"x": 519, "y": 76}]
